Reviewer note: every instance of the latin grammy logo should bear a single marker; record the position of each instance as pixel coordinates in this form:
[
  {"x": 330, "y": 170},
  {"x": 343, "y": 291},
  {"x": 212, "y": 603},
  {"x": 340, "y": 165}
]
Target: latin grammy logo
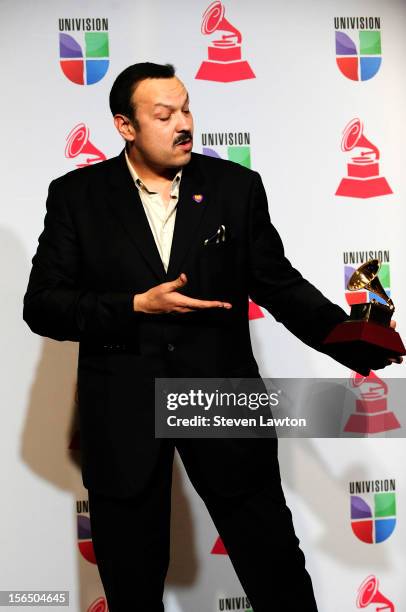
[
  {"x": 218, "y": 547},
  {"x": 363, "y": 180},
  {"x": 368, "y": 593},
  {"x": 99, "y": 605},
  {"x": 224, "y": 63},
  {"x": 254, "y": 311},
  {"x": 371, "y": 415},
  {"x": 78, "y": 143}
]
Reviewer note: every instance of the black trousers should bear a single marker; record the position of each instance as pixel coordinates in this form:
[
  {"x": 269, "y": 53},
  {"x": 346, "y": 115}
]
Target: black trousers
[{"x": 239, "y": 481}]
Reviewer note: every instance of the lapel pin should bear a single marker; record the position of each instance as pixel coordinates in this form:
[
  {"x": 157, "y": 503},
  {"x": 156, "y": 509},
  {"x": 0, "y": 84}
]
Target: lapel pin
[{"x": 198, "y": 198}]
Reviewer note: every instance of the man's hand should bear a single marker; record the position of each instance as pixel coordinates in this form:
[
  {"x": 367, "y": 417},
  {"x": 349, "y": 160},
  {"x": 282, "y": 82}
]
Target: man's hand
[
  {"x": 166, "y": 298},
  {"x": 383, "y": 363},
  {"x": 394, "y": 359}
]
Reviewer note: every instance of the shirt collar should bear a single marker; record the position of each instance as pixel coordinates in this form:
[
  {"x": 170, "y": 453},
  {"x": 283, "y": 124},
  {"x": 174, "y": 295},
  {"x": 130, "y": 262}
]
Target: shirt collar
[{"x": 140, "y": 185}]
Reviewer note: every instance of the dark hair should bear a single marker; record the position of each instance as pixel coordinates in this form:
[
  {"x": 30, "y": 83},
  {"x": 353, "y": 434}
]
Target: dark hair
[{"x": 126, "y": 82}]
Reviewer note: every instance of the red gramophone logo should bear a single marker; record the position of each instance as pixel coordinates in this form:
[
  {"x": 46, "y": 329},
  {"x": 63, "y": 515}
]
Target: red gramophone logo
[
  {"x": 254, "y": 311},
  {"x": 363, "y": 180},
  {"x": 371, "y": 415},
  {"x": 218, "y": 547},
  {"x": 368, "y": 593},
  {"x": 99, "y": 605},
  {"x": 78, "y": 143},
  {"x": 224, "y": 63}
]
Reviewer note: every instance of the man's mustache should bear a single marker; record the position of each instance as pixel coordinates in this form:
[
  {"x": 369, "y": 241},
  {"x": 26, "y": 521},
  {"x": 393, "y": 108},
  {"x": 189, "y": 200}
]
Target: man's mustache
[{"x": 184, "y": 137}]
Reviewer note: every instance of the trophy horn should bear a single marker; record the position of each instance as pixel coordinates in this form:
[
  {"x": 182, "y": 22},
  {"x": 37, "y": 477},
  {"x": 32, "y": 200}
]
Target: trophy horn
[
  {"x": 213, "y": 19},
  {"x": 366, "y": 277},
  {"x": 78, "y": 142},
  {"x": 353, "y": 136},
  {"x": 369, "y": 593}
]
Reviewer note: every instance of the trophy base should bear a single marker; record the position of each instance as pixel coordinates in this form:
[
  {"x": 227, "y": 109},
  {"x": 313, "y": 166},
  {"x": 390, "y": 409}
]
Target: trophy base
[
  {"x": 363, "y": 188},
  {"x": 224, "y": 72},
  {"x": 367, "y": 333},
  {"x": 365, "y": 342},
  {"x": 372, "y": 424}
]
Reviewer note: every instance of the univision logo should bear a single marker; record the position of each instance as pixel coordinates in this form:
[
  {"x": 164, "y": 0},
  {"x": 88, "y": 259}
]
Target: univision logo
[
  {"x": 373, "y": 514},
  {"x": 234, "y": 603},
  {"x": 85, "y": 543},
  {"x": 234, "y": 146},
  {"x": 352, "y": 260},
  {"x": 84, "y": 56},
  {"x": 358, "y": 53}
]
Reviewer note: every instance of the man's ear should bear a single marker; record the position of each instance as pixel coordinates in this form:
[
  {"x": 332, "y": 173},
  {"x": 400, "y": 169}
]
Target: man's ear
[{"x": 124, "y": 127}]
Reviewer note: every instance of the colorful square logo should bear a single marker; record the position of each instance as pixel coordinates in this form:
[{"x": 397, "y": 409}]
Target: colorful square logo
[
  {"x": 85, "y": 62},
  {"x": 359, "y": 56}
]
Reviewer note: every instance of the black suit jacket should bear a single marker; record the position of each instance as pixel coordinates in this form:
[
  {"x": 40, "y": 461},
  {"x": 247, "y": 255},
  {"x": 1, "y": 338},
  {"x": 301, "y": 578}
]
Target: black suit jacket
[{"x": 97, "y": 251}]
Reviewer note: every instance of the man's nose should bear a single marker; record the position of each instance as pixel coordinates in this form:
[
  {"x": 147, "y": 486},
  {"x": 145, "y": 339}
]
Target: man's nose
[{"x": 184, "y": 122}]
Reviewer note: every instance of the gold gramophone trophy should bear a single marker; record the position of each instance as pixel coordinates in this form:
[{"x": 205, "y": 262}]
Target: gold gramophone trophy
[{"x": 368, "y": 328}]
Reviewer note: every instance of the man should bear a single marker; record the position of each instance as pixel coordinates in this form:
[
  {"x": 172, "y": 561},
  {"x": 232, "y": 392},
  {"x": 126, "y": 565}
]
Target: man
[{"x": 130, "y": 266}]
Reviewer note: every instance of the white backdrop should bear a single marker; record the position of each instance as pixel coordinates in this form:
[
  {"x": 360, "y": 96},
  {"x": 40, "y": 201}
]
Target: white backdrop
[{"x": 294, "y": 110}]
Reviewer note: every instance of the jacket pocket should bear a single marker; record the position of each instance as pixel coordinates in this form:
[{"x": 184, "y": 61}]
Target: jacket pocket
[{"x": 216, "y": 269}]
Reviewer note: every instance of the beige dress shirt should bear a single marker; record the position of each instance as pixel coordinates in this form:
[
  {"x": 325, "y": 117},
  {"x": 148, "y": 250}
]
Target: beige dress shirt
[{"x": 161, "y": 217}]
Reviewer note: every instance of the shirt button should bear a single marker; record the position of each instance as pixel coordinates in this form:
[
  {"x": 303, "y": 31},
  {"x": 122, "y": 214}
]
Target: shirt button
[{"x": 171, "y": 347}]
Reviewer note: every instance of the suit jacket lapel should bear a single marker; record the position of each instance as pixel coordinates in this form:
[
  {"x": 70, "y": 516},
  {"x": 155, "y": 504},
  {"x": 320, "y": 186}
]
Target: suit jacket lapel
[
  {"x": 189, "y": 214},
  {"x": 127, "y": 206}
]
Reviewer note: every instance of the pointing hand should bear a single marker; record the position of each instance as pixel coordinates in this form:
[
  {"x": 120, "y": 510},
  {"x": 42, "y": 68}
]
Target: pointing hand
[{"x": 165, "y": 298}]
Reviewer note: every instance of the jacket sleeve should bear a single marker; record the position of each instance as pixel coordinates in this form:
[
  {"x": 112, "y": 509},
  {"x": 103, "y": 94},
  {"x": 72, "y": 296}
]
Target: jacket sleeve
[
  {"x": 54, "y": 304},
  {"x": 277, "y": 286},
  {"x": 292, "y": 300}
]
